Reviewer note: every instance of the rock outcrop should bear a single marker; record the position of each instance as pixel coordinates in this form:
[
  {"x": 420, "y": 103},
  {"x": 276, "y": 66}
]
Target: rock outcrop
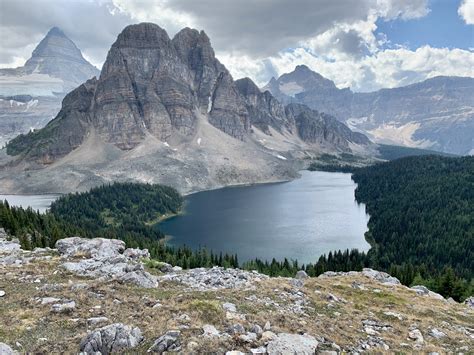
[
  {"x": 105, "y": 259},
  {"x": 114, "y": 338},
  {"x": 162, "y": 102},
  {"x": 285, "y": 343},
  {"x": 214, "y": 310}
]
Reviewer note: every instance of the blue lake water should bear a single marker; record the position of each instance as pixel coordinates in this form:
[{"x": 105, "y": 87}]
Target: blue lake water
[{"x": 301, "y": 219}]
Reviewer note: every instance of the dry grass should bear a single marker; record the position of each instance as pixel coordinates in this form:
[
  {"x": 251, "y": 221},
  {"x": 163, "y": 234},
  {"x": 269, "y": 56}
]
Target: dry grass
[{"x": 26, "y": 321}]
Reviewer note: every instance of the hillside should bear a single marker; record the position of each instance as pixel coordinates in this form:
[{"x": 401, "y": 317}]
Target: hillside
[
  {"x": 437, "y": 113},
  {"x": 93, "y": 295},
  {"x": 421, "y": 212}
]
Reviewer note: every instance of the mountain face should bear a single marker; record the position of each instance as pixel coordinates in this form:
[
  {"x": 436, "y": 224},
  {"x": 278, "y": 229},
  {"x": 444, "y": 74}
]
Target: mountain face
[
  {"x": 437, "y": 113},
  {"x": 55, "y": 57},
  {"x": 30, "y": 96},
  {"x": 166, "y": 107}
]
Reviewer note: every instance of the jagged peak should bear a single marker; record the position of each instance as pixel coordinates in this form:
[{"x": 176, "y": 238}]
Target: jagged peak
[
  {"x": 193, "y": 34},
  {"x": 56, "y": 31},
  {"x": 247, "y": 87}
]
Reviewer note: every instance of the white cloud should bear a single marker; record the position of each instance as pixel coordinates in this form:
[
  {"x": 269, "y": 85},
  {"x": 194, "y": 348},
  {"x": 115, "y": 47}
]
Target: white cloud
[
  {"x": 385, "y": 69},
  {"x": 252, "y": 38},
  {"x": 466, "y": 11}
]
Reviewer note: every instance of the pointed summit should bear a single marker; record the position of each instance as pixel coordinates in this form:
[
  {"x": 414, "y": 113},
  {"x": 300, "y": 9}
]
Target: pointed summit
[
  {"x": 56, "y": 55},
  {"x": 55, "y": 31}
]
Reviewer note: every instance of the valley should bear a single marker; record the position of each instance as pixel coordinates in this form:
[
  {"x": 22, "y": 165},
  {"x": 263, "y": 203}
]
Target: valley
[{"x": 171, "y": 202}]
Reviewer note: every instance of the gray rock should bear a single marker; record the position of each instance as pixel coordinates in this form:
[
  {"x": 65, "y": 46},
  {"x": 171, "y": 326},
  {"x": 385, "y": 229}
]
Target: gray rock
[
  {"x": 256, "y": 329},
  {"x": 49, "y": 300},
  {"x": 2, "y": 293},
  {"x": 260, "y": 350},
  {"x": 214, "y": 278},
  {"x": 140, "y": 278},
  {"x": 424, "y": 291},
  {"x": 236, "y": 329},
  {"x": 210, "y": 331},
  {"x": 301, "y": 275},
  {"x": 249, "y": 337},
  {"x": 164, "y": 267},
  {"x": 65, "y": 307},
  {"x": 6, "y": 350},
  {"x": 469, "y": 302},
  {"x": 136, "y": 254},
  {"x": 90, "y": 248},
  {"x": 286, "y": 343},
  {"x": 167, "y": 342},
  {"x": 297, "y": 283},
  {"x": 380, "y": 276},
  {"x": 416, "y": 335},
  {"x": 114, "y": 338},
  {"x": 435, "y": 333},
  {"x": 229, "y": 307},
  {"x": 8, "y": 246}
]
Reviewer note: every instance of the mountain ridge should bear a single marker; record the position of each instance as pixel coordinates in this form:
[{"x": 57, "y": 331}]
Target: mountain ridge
[
  {"x": 437, "y": 113},
  {"x": 171, "y": 102}
]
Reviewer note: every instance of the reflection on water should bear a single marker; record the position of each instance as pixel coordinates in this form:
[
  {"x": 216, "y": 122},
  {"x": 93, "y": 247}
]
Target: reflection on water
[{"x": 299, "y": 220}]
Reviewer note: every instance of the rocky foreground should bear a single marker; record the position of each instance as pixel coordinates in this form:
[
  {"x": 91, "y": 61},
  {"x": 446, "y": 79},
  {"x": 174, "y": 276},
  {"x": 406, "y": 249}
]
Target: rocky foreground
[{"x": 95, "y": 296}]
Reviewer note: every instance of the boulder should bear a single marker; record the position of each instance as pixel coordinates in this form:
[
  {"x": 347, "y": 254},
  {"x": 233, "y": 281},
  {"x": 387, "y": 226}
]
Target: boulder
[
  {"x": 65, "y": 307},
  {"x": 435, "y": 333},
  {"x": 167, "y": 342},
  {"x": 140, "y": 278},
  {"x": 469, "y": 302},
  {"x": 424, "y": 291},
  {"x": 90, "y": 248},
  {"x": 229, "y": 307},
  {"x": 286, "y": 343},
  {"x": 114, "y": 338},
  {"x": 301, "y": 275},
  {"x": 380, "y": 276},
  {"x": 6, "y": 350},
  {"x": 416, "y": 335},
  {"x": 210, "y": 331},
  {"x": 8, "y": 246},
  {"x": 136, "y": 254}
]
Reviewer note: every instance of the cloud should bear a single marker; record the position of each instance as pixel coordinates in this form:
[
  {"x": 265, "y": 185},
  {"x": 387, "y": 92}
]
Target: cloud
[
  {"x": 264, "y": 27},
  {"x": 93, "y": 26},
  {"x": 466, "y": 11},
  {"x": 255, "y": 38},
  {"x": 385, "y": 69}
]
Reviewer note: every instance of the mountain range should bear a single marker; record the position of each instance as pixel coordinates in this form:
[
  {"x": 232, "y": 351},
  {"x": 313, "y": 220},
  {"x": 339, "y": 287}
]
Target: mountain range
[
  {"x": 30, "y": 96},
  {"x": 166, "y": 110},
  {"x": 437, "y": 113}
]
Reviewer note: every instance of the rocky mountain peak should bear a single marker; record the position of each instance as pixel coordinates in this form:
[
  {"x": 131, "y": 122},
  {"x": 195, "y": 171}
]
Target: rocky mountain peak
[
  {"x": 247, "y": 87},
  {"x": 155, "y": 89},
  {"x": 143, "y": 35},
  {"x": 306, "y": 78},
  {"x": 58, "y": 57},
  {"x": 54, "y": 45}
]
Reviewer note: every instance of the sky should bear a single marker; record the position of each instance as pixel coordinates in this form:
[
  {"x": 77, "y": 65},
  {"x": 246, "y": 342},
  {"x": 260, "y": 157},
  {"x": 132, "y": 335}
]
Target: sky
[{"x": 362, "y": 44}]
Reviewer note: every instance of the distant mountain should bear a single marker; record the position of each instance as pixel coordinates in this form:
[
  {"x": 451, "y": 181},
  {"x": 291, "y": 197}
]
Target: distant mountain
[
  {"x": 437, "y": 113},
  {"x": 31, "y": 95},
  {"x": 166, "y": 110}
]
